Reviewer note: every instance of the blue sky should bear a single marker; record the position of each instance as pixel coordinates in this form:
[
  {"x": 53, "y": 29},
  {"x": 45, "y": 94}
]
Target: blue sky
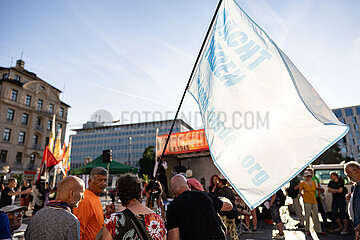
[{"x": 126, "y": 56}]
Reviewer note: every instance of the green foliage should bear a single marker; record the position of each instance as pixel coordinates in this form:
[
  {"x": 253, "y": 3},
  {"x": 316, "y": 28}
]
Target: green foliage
[
  {"x": 145, "y": 178},
  {"x": 332, "y": 156},
  {"x": 147, "y": 162},
  {"x": 19, "y": 177}
]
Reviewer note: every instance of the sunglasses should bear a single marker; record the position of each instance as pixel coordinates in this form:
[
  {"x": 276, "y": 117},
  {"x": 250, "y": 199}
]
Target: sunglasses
[
  {"x": 308, "y": 176},
  {"x": 16, "y": 214}
]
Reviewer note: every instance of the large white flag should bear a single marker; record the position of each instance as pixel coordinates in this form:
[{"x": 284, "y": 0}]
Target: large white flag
[{"x": 263, "y": 120}]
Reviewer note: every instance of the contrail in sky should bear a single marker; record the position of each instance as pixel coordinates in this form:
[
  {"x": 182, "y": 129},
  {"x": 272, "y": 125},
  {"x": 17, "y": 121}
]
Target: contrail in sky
[{"x": 134, "y": 96}]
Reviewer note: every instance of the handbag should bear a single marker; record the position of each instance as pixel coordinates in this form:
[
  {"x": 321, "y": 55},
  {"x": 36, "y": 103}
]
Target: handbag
[{"x": 139, "y": 226}]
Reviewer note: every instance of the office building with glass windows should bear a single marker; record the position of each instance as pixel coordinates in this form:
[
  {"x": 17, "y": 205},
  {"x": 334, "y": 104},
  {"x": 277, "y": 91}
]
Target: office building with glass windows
[
  {"x": 350, "y": 144},
  {"x": 127, "y": 141},
  {"x": 27, "y": 106}
]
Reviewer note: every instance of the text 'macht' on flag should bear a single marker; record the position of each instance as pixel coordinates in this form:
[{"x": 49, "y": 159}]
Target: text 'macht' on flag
[{"x": 263, "y": 120}]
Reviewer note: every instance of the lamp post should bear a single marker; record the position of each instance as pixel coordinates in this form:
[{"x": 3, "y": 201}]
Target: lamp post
[{"x": 129, "y": 151}]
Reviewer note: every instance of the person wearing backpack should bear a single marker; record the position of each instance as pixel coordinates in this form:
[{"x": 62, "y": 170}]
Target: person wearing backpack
[
  {"x": 307, "y": 191},
  {"x": 228, "y": 218},
  {"x": 275, "y": 213},
  {"x": 293, "y": 192}
]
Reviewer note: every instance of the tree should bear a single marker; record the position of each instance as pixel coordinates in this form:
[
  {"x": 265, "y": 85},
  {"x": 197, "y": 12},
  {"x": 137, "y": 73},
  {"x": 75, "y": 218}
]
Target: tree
[
  {"x": 147, "y": 162},
  {"x": 332, "y": 156}
]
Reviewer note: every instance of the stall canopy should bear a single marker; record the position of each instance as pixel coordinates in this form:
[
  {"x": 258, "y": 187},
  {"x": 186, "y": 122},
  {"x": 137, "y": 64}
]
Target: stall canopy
[{"x": 115, "y": 167}]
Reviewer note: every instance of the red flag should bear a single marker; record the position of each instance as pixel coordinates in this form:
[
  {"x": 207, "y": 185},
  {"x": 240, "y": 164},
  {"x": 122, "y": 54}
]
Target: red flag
[{"x": 49, "y": 158}]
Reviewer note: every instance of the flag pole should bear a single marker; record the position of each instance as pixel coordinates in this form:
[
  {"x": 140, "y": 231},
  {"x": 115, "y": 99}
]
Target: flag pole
[{"x": 188, "y": 83}]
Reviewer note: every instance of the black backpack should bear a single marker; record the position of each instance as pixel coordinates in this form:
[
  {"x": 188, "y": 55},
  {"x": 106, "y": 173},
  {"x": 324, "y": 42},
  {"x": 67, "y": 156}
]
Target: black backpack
[
  {"x": 280, "y": 198},
  {"x": 291, "y": 192}
]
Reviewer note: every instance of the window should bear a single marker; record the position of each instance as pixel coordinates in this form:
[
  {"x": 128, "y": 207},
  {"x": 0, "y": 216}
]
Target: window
[
  {"x": 32, "y": 158},
  {"x": 349, "y": 112},
  {"x": 59, "y": 126},
  {"x": 35, "y": 139},
  {"x": 18, "y": 157},
  {"x": 17, "y": 78},
  {"x": 25, "y": 118},
  {"x": 49, "y": 123},
  {"x": 342, "y": 120},
  {"x": 3, "y": 155},
  {"x": 21, "y": 137},
  {"x": 61, "y": 112},
  {"x": 353, "y": 119},
  {"x": 47, "y": 139},
  {"x": 5, "y": 76},
  {"x": 10, "y": 114},
  {"x": 7, "y": 133},
  {"x": 28, "y": 100},
  {"x": 51, "y": 108},
  {"x": 40, "y": 105},
  {"x": 38, "y": 123},
  {"x": 352, "y": 141},
  {"x": 14, "y": 94},
  {"x": 356, "y": 126}
]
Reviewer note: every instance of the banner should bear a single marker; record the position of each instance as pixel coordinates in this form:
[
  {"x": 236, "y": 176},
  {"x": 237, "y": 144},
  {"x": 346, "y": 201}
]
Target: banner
[
  {"x": 183, "y": 142},
  {"x": 263, "y": 120}
]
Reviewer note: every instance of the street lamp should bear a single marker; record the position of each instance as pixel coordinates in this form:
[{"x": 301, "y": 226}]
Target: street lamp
[{"x": 129, "y": 151}]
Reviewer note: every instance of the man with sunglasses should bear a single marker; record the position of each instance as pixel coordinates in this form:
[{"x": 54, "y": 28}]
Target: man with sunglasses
[{"x": 15, "y": 215}]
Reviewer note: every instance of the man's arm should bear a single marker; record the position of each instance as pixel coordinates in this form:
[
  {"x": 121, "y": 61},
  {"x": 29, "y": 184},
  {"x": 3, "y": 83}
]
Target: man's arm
[
  {"x": 173, "y": 234},
  {"x": 272, "y": 200},
  {"x": 20, "y": 192},
  {"x": 227, "y": 205},
  {"x": 73, "y": 231}
]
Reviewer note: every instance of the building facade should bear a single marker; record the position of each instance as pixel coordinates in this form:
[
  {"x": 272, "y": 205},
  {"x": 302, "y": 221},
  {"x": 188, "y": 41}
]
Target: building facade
[
  {"x": 350, "y": 144},
  {"x": 127, "y": 141},
  {"x": 27, "y": 106}
]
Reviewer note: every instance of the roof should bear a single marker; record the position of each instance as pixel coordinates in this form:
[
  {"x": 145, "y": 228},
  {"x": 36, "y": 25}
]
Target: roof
[
  {"x": 346, "y": 107},
  {"x": 133, "y": 124},
  {"x": 30, "y": 74}
]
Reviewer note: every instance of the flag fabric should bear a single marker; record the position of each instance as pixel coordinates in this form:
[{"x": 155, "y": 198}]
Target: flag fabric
[
  {"x": 66, "y": 163},
  {"x": 62, "y": 153},
  {"x": 57, "y": 150},
  {"x": 263, "y": 120},
  {"x": 49, "y": 158},
  {"x": 52, "y": 135}
]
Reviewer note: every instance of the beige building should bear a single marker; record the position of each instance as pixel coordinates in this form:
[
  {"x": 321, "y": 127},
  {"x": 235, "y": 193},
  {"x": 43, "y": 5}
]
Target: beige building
[{"x": 27, "y": 105}]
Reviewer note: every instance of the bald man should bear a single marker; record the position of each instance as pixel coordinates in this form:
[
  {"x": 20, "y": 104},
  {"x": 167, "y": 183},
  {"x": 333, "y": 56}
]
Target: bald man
[
  {"x": 56, "y": 220},
  {"x": 193, "y": 214},
  {"x": 352, "y": 170}
]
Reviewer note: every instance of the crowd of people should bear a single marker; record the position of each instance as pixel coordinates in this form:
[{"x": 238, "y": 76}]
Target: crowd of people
[{"x": 140, "y": 213}]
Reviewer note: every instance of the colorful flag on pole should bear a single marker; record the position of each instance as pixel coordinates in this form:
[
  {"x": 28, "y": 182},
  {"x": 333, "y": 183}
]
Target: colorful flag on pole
[
  {"x": 49, "y": 158},
  {"x": 263, "y": 120},
  {"x": 52, "y": 135},
  {"x": 57, "y": 150},
  {"x": 67, "y": 158}
]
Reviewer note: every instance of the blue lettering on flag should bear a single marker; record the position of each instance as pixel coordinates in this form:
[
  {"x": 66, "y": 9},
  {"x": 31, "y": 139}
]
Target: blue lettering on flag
[{"x": 246, "y": 49}]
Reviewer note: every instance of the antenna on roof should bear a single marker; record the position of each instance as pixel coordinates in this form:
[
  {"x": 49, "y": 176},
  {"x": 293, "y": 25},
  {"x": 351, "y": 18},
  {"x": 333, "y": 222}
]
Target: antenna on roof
[
  {"x": 22, "y": 53},
  {"x": 11, "y": 61}
]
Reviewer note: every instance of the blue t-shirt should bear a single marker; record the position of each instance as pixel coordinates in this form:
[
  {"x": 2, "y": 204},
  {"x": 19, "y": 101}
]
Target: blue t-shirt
[{"x": 4, "y": 226}]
